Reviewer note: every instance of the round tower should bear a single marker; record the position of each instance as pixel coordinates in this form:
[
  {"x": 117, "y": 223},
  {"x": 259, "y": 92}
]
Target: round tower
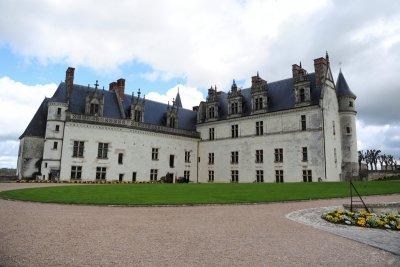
[{"x": 347, "y": 116}]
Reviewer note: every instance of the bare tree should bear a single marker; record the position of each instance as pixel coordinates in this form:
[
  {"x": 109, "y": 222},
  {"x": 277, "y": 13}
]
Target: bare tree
[
  {"x": 391, "y": 161},
  {"x": 375, "y": 156},
  {"x": 361, "y": 157},
  {"x": 381, "y": 159}
]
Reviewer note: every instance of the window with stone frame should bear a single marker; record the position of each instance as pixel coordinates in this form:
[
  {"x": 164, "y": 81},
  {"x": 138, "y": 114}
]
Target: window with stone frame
[
  {"x": 77, "y": 150},
  {"x": 211, "y": 113},
  {"x": 210, "y": 175},
  {"x": 55, "y": 145},
  {"x": 154, "y": 153},
  {"x": 57, "y": 128},
  {"x": 258, "y": 103},
  {"x": 303, "y": 123},
  {"x": 101, "y": 173},
  {"x": 259, "y": 127},
  {"x": 304, "y": 154},
  {"x": 187, "y": 156},
  {"x": 307, "y": 176},
  {"x": 235, "y": 130},
  {"x": 58, "y": 112},
  {"x": 210, "y": 158},
  {"x": 153, "y": 174},
  {"x": 94, "y": 109},
  {"x": 278, "y": 154},
  {"x": 302, "y": 95},
  {"x": 234, "y": 176},
  {"x": 260, "y": 176},
  {"x": 259, "y": 156},
  {"x": 333, "y": 128},
  {"x": 137, "y": 115},
  {"x": 279, "y": 176},
  {"x": 211, "y": 133},
  {"x": 76, "y": 172},
  {"x": 120, "y": 158},
  {"x": 234, "y": 108},
  {"x": 102, "y": 151},
  {"x": 348, "y": 130},
  {"x": 234, "y": 157}
]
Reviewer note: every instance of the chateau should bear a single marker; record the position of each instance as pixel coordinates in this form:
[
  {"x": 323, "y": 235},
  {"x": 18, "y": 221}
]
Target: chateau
[{"x": 299, "y": 129}]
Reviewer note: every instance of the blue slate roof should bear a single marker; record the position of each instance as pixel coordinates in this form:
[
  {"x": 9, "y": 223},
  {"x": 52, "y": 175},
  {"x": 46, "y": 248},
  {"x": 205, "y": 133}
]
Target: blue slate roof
[
  {"x": 342, "y": 89},
  {"x": 154, "y": 111},
  {"x": 37, "y": 126},
  {"x": 280, "y": 97}
]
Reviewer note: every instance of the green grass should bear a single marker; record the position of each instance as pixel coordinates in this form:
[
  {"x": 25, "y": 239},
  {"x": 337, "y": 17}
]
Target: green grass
[{"x": 175, "y": 194}]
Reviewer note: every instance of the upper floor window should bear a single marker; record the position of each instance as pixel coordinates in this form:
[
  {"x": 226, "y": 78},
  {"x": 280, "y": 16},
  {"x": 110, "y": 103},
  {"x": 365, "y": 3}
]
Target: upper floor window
[
  {"x": 154, "y": 153},
  {"x": 333, "y": 128},
  {"x": 210, "y": 158},
  {"x": 235, "y": 130},
  {"x": 307, "y": 176},
  {"x": 77, "y": 150},
  {"x": 211, "y": 113},
  {"x": 102, "y": 150},
  {"x": 58, "y": 111},
  {"x": 258, "y": 103},
  {"x": 348, "y": 130},
  {"x": 259, "y": 128},
  {"x": 137, "y": 115},
  {"x": 234, "y": 157},
  {"x": 305, "y": 154},
  {"x": 234, "y": 108},
  {"x": 303, "y": 123},
  {"x": 57, "y": 128},
  {"x": 187, "y": 156},
  {"x": 302, "y": 95},
  {"x": 278, "y": 155},
  {"x": 351, "y": 104},
  {"x": 259, "y": 156},
  {"x": 211, "y": 133},
  {"x": 94, "y": 109},
  {"x": 120, "y": 158},
  {"x": 55, "y": 145}
]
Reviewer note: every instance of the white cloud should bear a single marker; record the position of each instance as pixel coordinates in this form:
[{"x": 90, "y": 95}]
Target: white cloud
[
  {"x": 18, "y": 104},
  {"x": 190, "y": 96}
]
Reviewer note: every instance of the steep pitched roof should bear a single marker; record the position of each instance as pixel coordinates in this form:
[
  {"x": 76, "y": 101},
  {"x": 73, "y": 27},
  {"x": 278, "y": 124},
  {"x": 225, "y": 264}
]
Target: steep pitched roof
[
  {"x": 154, "y": 111},
  {"x": 342, "y": 88},
  {"x": 280, "y": 97},
  {"x": 37, "y": 126}
]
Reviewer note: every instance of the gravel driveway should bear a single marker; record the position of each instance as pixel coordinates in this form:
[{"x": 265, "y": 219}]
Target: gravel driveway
[{"x": 35, "y": 234}]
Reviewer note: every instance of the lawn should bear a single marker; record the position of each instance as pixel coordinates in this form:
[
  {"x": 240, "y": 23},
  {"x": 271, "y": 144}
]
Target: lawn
[{"x": 176, "y": 194}]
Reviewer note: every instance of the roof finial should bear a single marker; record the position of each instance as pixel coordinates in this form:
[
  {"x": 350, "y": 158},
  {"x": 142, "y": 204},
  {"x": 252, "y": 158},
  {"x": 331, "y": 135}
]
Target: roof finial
[
  {"x": 340, "y": 66},
  {"x": 300, "y": 64},
  {"x": 178, "y": 89},
  {"x": 215, "y": 88},
  {"x": 138, "y": 93},
  {"x": 327, "y": 56},
  {"x": 258, "y": 75},
  {"x": 234, "y": 81},
  {"x": 96, "y": 84}
]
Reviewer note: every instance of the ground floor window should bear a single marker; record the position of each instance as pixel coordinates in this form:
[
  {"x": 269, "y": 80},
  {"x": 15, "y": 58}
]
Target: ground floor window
[
  {"x": 186, "y": 175},
  {"x": 76, "y": 172},
  {"x": 133, "y": 176},
  {"x": 307, "y": 176},
  {"x": 121, "y": 177},
  {"x": 211, "y": 176},
  {"x": 153, "y": 174},
  {"x": 101, "y": 173},
  {"x": 259, "y": 176},
  {"x": 279, "y": 176},
  {"x": 234, "y": 176}
]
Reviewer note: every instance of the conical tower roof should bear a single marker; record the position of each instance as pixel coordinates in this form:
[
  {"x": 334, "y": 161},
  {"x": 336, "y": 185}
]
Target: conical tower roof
[{"x": 342, "y": 88}]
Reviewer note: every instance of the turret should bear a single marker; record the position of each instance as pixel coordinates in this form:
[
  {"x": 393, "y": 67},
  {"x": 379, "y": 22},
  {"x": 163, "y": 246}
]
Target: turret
[{"x": 347, "y": 115}]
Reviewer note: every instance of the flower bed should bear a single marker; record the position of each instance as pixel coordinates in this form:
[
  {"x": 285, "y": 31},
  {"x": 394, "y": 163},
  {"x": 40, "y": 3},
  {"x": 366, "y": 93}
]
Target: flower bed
[{"x": 364, "y": 219}]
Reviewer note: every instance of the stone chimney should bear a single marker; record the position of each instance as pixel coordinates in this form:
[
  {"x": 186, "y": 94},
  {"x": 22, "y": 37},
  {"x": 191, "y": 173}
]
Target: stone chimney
[
  {"x": 195, "y": 108},
  {"x": 121, "y": 89},
  {"x": 321, "y": 66},
  {"x": 295, "y": 70},
  {"x": 69, "y": 80}
]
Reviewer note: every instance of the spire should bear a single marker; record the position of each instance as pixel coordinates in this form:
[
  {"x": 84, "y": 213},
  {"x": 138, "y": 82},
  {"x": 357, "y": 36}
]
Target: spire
[
  {"x": 178, "y": 101},
  {"x": 258, "y": 75},
  {"x": 300, "y": 65},
  {"x": 327, "y": 56}
]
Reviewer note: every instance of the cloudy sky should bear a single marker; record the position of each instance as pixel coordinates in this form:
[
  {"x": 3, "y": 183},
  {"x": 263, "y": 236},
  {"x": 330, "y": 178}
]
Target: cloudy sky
[{"x": 160, "y": 45}]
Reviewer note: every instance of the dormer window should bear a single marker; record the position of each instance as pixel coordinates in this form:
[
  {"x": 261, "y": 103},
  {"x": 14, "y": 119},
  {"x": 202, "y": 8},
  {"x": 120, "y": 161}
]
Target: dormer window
[
  {"x": 137, "y": 116},
  {"x": 211, "y": 112},
  {"x": 302, "y": 95},
  {"x": 94, "y": 109},
  {"x": 172, "y": 122},
  {"x": 234, "y": 108},
  {"x": 137, "y": 107},
  {"x": 258, "y": 103}
]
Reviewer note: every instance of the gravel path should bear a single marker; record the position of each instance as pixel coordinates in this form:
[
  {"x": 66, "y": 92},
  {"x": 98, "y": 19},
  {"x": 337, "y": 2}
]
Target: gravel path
[{"x": 34, "y": 234}]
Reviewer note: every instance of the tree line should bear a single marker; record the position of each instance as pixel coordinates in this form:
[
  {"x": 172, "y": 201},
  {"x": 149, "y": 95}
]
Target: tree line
[{"x": 373, "y": 156}]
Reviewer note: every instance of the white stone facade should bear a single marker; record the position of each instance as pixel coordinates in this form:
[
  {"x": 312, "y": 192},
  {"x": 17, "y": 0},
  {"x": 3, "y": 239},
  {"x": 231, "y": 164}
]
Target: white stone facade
[{"x": 306, "y": 141}]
